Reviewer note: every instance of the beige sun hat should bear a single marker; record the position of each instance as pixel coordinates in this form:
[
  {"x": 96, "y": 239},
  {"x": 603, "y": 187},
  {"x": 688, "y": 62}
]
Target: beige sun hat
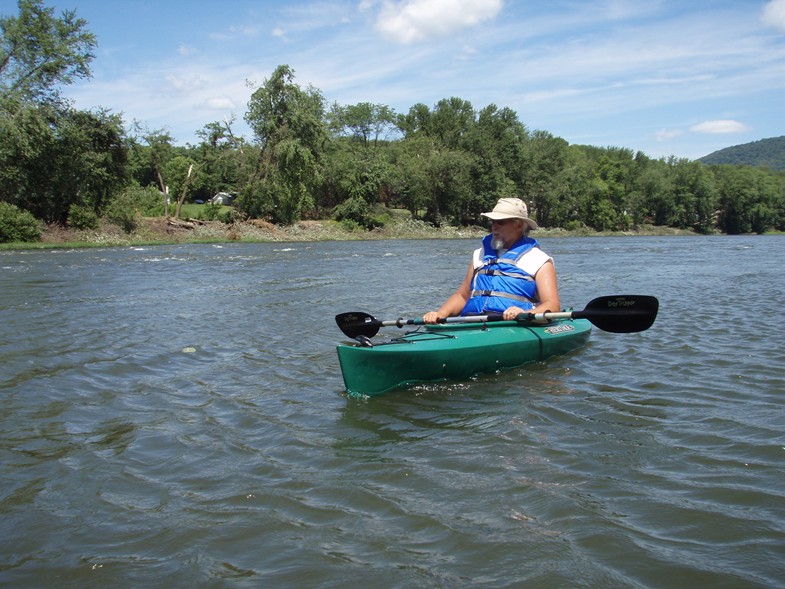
[{"x": 511, "y": 208}]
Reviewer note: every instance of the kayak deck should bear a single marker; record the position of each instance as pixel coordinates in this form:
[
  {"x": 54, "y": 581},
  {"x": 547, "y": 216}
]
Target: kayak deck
[{"x": 455, "y": 352}]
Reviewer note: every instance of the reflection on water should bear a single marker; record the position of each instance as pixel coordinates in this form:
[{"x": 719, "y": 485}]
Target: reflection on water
[{"x": 174, "y": 416}]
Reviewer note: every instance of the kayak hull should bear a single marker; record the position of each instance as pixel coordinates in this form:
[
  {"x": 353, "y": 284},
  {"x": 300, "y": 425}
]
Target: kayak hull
[{"x": 455, "y": 352}]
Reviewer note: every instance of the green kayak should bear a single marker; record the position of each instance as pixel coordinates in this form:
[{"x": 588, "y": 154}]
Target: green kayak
[
  {"x": 436, "y": 353},
  {"x": 460, "y": 347}
]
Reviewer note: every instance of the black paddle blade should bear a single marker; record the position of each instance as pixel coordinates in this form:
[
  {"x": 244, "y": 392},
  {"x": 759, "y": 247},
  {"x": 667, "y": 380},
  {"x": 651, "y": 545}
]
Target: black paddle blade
[
  {"x": 356, "y": 323},
  {"x": 621, "y": 313}
]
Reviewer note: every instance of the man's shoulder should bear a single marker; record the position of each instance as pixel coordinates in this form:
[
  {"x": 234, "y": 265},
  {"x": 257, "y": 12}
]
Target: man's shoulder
[{"x": 533, "y": 260}]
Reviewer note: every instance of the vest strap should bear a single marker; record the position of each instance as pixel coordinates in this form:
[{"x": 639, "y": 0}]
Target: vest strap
[
  {"x": 505, "y": 295},
  {"x": 497, "y": 272}
]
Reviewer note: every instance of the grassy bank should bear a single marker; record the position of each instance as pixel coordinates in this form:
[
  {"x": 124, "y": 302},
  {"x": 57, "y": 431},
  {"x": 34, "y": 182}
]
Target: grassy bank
[{"x": 157, "y": 231}]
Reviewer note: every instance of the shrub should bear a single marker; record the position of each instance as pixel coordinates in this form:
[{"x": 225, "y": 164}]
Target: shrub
[
  {"x": 353, "y": 212},
  {"x": 82, "y": 217},
  {"x": 127, "y": 208},
  {"x": 210, "y": 212},
  {"x": 350, "y": 225},
  {"x": 124, "y": 216},
  {"x": 377, "y": 221},
  {"x": 17, "y": 224},
  {"x": 148, "y": 201}
]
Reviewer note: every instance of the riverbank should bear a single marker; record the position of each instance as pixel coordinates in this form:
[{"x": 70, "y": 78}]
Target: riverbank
[{"x": 159, "y": 231}]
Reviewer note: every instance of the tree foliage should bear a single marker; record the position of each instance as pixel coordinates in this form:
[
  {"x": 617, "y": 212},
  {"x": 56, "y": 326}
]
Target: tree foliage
[
  {"x": 53, "y": 157},
  {"x": 765, "y": 153},
  {"x": 445, "y": 164},
  {"x": 39, "y": 53},
  {"x": 289, "y": 127}
]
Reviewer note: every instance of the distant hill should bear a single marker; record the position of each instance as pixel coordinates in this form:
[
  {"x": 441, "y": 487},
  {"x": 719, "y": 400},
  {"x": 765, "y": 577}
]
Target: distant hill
[{"x": 766, "y": 153}]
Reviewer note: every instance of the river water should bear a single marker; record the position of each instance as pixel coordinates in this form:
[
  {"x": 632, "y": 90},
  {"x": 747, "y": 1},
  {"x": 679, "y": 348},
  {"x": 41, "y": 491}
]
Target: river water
[{"x": 174, "y": 417}]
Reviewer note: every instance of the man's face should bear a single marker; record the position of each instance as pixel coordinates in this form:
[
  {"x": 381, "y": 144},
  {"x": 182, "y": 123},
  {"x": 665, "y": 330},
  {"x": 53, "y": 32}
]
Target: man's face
[{"x": 505, "y": 233}]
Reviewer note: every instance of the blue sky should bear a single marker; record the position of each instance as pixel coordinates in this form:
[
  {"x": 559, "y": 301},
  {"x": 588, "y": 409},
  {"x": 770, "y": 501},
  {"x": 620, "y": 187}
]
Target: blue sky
[{"x": 666, "y": 77}]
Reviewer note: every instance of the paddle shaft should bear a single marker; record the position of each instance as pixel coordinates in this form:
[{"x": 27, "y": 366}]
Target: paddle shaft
[
  {"x": 616, "y": 314},
  {"x": 400, "y": 322}
]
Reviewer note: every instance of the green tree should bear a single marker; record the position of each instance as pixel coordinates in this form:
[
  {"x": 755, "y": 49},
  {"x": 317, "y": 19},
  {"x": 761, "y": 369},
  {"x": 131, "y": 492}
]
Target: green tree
[
  {"x": 289, "y": 127},
  {"x": 356, "y": 161},
  {"x": 736, "y": 194},
  {"x": 651, "y": 181},
  {"x": 366, "y": 123},
  {"x": 54, "y": 157},
  {"x": 150, "y": 150},
  {"x": 440, "y": 183},
  {"x": 26, "y": 140},
  {"x": 568, "y": 187},
  {"x": 350, "y": 173},
  {"x": 39, "y": 53},
  {"x": 222, "y": 158},
  {"x": 461, "y": 161},
  {"x": 604, "y": 206},
  {"x": 409, "y": 178},
  {"x": 779, "y": 201},
  {"x": 451, "y": 120},
  {"x": 92, "y": 156},
  {"x": 181, "y": 174},
  {"x": 416, "y": 121},
  {"x": 545, "y": 162},
  {"x": 454, "y": 198},
  {"x": 763, "y": 213},
  {"x": 497, "y": 143},
  {"x": 694, "y": 196}
]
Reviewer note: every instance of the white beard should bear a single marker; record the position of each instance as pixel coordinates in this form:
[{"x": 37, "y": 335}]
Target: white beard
[{"x": 497, "y": 243}]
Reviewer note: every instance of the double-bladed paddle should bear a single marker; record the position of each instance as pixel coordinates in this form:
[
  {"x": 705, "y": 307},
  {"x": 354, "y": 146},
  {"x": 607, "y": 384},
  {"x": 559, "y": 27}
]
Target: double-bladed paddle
[{"x": 615, "y": 313}]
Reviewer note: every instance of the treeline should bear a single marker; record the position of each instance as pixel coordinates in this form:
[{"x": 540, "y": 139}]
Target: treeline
[{"x": 307, "y": 159}]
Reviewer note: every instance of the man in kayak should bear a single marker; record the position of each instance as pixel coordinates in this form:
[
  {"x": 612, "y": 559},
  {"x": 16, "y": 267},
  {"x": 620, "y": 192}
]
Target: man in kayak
[{"x": 509, "y": 274}]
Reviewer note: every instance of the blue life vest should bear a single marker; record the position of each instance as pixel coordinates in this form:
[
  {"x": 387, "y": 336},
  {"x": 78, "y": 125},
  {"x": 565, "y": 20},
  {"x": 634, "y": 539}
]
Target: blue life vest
[{"x": 499, "y": 283}]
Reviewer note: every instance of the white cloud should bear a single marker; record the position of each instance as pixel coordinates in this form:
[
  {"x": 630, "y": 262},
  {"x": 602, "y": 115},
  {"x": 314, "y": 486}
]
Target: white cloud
[
  {"x": 720, "y": 127},
  {"x": 774, "y": 14},
  {"x": 186, "y": 50},
  {"x": 665, "y": 134},
  {"x": 410, "y": 21},
  {"x": 245, "y": 31},
  {"x": 220, "y": 103},
  {"x": 299, "y": 19},
  {"x": 232, "y": 33},
  {"x": 546, "y": 96},
  {"x": 185, "y": 84}
]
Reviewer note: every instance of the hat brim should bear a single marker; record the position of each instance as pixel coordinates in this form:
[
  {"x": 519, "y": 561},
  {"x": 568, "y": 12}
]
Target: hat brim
[{"x": 499, "y": 216}]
